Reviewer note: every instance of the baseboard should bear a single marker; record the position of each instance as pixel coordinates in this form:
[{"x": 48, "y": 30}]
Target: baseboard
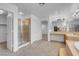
[{"x": 35, "y": 41}]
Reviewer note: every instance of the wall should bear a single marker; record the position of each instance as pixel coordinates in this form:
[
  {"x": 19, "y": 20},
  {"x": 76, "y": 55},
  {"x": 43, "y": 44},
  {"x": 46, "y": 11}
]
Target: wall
[
  {"x": 36, "y": 32},
  {"x": 44, "y": 27}
]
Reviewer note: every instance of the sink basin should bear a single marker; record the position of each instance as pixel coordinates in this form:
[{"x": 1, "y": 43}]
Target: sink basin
[{"x": 76, "y": 44}]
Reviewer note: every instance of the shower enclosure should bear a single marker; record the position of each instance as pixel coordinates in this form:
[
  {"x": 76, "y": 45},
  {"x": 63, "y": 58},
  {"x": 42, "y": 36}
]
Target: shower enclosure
[{"x": 24, "y": 31}]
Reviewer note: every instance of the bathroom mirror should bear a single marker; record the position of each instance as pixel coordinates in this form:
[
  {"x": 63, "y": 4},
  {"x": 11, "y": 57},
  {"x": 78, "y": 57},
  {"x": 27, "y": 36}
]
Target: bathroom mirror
[{"x": 66, "y": 26}]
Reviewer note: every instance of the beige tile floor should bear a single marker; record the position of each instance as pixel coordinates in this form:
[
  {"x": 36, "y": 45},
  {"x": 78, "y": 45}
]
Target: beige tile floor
[{"x": 40, "y": 48}]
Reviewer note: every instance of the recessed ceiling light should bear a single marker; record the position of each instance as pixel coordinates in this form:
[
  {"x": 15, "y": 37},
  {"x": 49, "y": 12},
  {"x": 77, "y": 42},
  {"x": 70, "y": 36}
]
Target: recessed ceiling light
[{"x": 1, "y": 11}]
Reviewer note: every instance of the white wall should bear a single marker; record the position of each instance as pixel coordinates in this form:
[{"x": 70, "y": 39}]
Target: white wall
[
  {"x": 36, "y": 31},
  {"x": 44, "y": 28}
]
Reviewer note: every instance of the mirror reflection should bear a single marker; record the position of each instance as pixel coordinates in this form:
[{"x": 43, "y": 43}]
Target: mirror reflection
[{"x": 65, "y": 25}]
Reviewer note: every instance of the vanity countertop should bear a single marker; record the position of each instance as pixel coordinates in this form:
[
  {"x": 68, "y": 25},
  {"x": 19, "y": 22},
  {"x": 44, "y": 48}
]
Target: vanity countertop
[
  {"x": 67, "y": 35},
  {"x": 72, "y": 34},
  {"x": 58, "y": 33}
]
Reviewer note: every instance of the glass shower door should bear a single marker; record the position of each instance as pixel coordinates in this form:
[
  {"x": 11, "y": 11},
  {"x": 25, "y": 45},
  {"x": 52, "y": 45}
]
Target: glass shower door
[{"x": 24, "y": 31}]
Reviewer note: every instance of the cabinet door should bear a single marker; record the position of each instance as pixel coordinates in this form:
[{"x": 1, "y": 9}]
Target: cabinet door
[
  {"x": 10, "y": 31},
  {"x": 59, "y": 38}
]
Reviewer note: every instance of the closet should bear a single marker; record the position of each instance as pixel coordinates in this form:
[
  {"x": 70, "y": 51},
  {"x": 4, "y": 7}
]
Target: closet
[
  {"x": 3, "y": 29},
  {"x": 6, "y": 30}
]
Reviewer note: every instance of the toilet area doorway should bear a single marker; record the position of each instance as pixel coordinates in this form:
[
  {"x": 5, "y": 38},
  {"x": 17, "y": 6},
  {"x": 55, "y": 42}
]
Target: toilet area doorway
[{"x": 44, "y": 30}]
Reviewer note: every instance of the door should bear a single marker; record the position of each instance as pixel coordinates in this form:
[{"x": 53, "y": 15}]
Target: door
[{"x": 10, "y": 31}]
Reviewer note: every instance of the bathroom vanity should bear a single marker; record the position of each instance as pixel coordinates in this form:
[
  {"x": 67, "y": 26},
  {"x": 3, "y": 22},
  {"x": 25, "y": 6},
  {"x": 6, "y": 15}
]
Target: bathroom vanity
[
  {"x": 63, "y": 29},
  {"x": 56, "y": 36},
  {"x": 63, "y": 36}
]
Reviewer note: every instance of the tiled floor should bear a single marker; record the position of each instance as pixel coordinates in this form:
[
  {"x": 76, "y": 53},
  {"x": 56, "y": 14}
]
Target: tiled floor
[{"x": 40, "y": 48}]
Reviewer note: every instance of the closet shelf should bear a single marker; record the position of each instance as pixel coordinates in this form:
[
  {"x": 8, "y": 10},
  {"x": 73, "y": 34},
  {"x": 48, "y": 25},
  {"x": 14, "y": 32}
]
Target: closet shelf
[{"x": 3, "y": 24}]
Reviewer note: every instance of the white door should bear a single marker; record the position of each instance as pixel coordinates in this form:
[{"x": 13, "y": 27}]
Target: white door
[{"x": 10, "y": 31}]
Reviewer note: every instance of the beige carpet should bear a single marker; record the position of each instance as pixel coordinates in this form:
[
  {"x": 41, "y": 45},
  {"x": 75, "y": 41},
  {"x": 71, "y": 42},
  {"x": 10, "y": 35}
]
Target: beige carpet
[{"x": 40, "y": 48}]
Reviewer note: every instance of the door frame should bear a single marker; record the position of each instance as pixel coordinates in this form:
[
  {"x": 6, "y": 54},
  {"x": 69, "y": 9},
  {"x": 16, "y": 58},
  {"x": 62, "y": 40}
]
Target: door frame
[{"x": 12, "y": 31}]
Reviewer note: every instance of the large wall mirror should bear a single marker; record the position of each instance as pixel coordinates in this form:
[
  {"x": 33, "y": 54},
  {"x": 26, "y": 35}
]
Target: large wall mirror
[{"x": 65, "y": 25}]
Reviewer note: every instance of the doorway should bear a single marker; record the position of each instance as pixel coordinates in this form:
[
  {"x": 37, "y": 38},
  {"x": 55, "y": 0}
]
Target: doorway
[
  {"x": 3, "y": 30},
  {"x": 6, "y": 29},
  {"x": 44, "y": 30}
]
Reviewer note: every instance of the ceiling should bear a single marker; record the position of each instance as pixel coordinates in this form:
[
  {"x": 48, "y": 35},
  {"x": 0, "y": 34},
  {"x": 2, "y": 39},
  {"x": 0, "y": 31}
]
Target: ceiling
[{"x": 44, "y": 11}]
